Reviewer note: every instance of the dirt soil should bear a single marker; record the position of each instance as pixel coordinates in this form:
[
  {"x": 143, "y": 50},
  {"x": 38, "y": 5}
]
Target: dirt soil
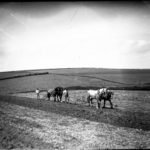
[
  {"x": 24, "y": 127},
  {"x": 131, "y": 108},
  {"x": 30, "y": 123}
]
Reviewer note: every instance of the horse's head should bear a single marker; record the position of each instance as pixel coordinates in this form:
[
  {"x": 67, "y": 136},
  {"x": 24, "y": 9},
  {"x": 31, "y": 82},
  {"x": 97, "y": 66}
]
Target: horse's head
[
  {"x": 110, "y": 93},
  {"x": 98, "y": 92}
]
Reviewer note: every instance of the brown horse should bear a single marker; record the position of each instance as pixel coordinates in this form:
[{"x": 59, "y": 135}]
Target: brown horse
[
  {"x": 106, "y": 96},
  {"x": 58, "y": 94}
]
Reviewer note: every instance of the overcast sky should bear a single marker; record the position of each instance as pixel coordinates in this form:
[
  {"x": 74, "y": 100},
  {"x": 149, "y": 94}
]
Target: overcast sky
[{"x": 38, "y": 35}]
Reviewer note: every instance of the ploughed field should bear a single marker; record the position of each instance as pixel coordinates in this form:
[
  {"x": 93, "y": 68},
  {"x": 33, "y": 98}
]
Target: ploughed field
[
  {"x": 131, "y": 108},
  {"x": 26, "y": 122},
  {"x": 30, "y": 123}
]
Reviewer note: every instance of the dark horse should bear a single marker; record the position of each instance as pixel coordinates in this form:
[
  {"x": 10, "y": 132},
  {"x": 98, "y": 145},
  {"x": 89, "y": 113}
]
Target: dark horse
[
  {"x": 57, "y": 93},
  {"x": 106, "y": 96}
]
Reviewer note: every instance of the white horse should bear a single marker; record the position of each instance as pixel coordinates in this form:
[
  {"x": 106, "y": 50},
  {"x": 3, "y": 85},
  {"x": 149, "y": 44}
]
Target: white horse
[
  {"x": 98, "y": 95},
  {"x": 93, "y": 94}
]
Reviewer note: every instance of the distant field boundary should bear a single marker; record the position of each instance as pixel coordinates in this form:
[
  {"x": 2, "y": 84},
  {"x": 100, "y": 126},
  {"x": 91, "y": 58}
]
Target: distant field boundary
[
  {"x": 24, "y": 75},
  {"x": 95, "y": 78},
  {"x": 44, "y": 73}
]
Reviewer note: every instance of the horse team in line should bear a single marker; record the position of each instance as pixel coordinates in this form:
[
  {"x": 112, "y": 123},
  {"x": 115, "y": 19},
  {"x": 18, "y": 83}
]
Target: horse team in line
[
  {"x": 98, "y": 95},
  {"x": 57, "y": 93}
]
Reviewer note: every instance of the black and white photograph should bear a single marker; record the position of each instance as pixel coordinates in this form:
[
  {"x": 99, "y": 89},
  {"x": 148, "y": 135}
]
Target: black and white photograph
[{"x": 75, "y": 75}]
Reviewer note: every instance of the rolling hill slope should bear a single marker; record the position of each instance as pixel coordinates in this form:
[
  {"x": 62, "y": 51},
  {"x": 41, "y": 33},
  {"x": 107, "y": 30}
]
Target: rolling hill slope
[{"x": 75, "y": 78}]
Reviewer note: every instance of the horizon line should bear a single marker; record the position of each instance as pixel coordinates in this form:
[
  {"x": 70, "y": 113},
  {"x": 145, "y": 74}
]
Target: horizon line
[{"x": 74, "y": 68}]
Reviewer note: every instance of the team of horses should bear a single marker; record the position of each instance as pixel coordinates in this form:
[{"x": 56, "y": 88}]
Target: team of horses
[
  {"x": 99, "y": 95},
  {"x": 57, "y": 93}
]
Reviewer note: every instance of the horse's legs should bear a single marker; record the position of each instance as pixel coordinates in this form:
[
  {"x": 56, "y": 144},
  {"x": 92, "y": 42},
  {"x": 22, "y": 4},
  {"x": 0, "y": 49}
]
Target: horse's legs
[
  {"x": 98, "y": 104},
  {"x": 60, "y": 97},
  {"x": 104, "y": 103},
  {"x": 55, "y": 98},
  {"x": 66, "y": 99},
  {"x": 91, "y": 101},
  {"x": 49, "y": 98},
  {"x": 88, "y": 99},
  {"x": 111, "y": 104}
]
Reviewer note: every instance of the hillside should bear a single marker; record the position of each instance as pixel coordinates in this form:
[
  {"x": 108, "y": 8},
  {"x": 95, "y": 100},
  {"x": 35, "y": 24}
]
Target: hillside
[{"x": 75, "y": 78}]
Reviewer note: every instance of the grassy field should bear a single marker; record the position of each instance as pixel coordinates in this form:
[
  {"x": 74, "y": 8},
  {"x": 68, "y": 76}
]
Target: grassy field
[
  {"x": 85, "y": 78},
  {"x": 113, "y": 77},
  {"x": 26, "y": 122}
]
